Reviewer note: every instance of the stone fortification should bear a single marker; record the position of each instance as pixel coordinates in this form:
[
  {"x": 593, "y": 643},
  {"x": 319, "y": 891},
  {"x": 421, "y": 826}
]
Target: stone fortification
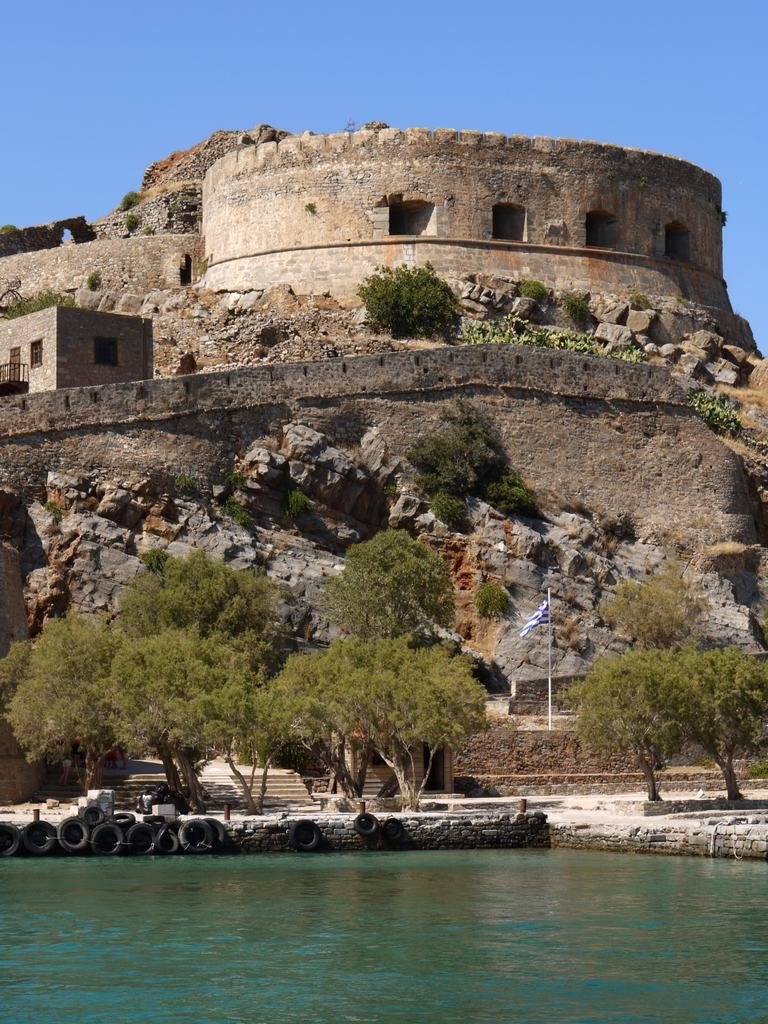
[
  {"x": 133, "y": 265},
  {"x": 606, "y": 434},
  {"x": 44, "y": 236},
  {"x": 319, "y": 212}
]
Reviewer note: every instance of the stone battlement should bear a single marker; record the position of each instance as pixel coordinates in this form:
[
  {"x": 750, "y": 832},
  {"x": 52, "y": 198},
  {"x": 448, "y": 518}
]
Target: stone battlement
[{"x": 508, "y": 367}]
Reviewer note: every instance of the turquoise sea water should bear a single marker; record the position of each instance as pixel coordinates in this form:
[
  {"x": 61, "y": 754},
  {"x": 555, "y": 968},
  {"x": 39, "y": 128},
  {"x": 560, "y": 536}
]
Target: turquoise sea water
[{"x": 498, "y": 936}]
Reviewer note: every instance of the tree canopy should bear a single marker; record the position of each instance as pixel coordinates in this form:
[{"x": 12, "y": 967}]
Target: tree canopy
[
  {"x": 62, "y": 691},
  {"x": 660, "y": 613},
  {"x": 629, "y": 704},
  {"x": 385, "y": 696},
  {"x": 391, "y": 585}
]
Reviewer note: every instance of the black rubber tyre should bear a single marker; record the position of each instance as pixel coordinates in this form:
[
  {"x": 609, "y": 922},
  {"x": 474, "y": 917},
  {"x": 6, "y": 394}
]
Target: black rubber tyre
[
  {"x": 305, "y": 836},
  {"x": 140, "y": 839},
  {"x": 153, "y": 819},
  {"x": 166, "y": 840},
  {"x": 39, "y": 838},
  {"x": 366, "y": 825},
  {"x": 196, "y": 836},
  {"x": 73, "y": 835},
  {"x": 93, "y": 816},
  {"x": 107, "y": 840},
  {"x": 124, "y": 819},
  {"x": 10, "y": 840},
  {"x": 220, "y": 834},
  {"x": 393, "y": 830}
]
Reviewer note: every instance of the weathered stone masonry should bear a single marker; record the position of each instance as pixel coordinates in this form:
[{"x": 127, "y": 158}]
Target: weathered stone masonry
[
  {"x": 481, "y": 830},
  {"x": 613, "y": 435},
  {"x": 319, "y": 212}
]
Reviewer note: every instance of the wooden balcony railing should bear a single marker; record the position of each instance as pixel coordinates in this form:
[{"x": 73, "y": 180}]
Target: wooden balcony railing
[{"x": 14, "y": 378}]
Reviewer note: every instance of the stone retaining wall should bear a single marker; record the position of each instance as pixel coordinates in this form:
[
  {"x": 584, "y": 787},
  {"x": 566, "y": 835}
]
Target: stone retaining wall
[
  {"x": 422, "y": 832},
  {"x": 703, "y": 839}
]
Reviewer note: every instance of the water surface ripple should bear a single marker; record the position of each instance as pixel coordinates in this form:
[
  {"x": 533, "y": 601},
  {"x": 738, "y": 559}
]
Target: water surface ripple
[{"x": 464, "y": 937}]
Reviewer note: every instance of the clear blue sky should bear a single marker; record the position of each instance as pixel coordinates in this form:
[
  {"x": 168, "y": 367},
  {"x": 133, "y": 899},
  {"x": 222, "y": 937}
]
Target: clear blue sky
[{"x": 94, "y": 92}]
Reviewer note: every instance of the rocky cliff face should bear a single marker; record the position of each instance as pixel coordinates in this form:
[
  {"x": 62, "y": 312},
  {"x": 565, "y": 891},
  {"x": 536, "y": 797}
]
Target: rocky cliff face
[{"x": 82, "y": 541}]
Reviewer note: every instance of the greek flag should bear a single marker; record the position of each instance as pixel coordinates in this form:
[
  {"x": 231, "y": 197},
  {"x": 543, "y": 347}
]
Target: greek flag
[{"x": 539, "y": 618}]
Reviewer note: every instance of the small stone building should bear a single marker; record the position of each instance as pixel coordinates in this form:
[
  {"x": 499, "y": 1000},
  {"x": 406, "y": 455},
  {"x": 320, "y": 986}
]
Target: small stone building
[{"x": 65, "y": 347}]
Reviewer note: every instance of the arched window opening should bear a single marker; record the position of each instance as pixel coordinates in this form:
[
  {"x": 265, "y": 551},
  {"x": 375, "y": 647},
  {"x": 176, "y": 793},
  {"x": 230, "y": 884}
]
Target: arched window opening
[
  {"x": 602, "y": 229},
  {"x": 509, "y": 222},
  {"x": 66, "y": 237},
  {"x": 185, "y": 270},
  {"x": 410, "y": 218},
  {"x": 677, "y": 241}
]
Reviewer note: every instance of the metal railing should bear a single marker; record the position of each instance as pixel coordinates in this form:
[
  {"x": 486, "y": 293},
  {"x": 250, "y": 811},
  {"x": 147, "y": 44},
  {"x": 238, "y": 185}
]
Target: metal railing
[{"x": 14, "y": 373}]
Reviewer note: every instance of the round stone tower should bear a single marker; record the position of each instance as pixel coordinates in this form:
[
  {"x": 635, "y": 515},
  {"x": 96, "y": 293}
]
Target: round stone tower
[{"x": 320, "y": 212}]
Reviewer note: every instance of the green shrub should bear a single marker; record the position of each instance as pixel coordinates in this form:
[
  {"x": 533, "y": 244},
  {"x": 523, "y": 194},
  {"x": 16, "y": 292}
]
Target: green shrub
[
  {"x": 202, "y": 268},
  {"x": 642, "y": 183},
  {"x": 297, "y": 504},
  {"x": 234, "y": 510},
  {"x": 53, "y": 511},
  {"x": 147, "y": 230},
  {"x": 184, "y": 483},
  {"x": 310, "y": 208},
  {"x": 533, "y": 290},
  {"x": 513, "y": 330},
  {"x": 510, "y": 495},
  {"x": 577, "y": 307},
  {"x": 93, "y": 281},
  {"x": 9, "y": 229},
  {"x": 758, "y": 770},
  {"x": 459, "y": 459},
  {"x": 131, "y": 221},
  {"x": 129, "y": 200},
  {"x": 409, "y": 302},
  {"x": 491, "y": 600},
  {"x": 717, "y": 412},
  {"x": 42, "y": 300},
  {"x": 236, "y": 481},
  {"x": 155, "y": 561},
  {"x": 638, "y": 300},
  {"x": 449, "y": 510}
]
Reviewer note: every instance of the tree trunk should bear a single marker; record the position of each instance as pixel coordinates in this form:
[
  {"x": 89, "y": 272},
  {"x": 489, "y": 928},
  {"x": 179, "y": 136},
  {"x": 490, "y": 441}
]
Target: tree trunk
[
  {"x": 250, "y": 805},
  {"x": 93, "y": 769},
  {"x": 725, "y": 764},
  {"x": 263, "y": 785},
  {"x": 170, "y": 769},
  {"x": 649, "y": 773},
  {"x": 194, "y": 789}
]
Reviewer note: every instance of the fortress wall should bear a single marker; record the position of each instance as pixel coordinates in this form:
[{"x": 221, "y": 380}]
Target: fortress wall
[
  {"x": 614, "y": 436},
  {"x": 340, "y": 268},
  {"x": 317, "y": 190},
  {"x": 137, "y": 264}
]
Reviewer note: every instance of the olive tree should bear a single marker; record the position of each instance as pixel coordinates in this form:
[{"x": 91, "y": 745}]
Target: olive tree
[
  {"x": 382, "y": 696},
  {"x": 630, "y": 704},
  {"x": 724, "y": 706},
  {"x": 391, "y": 585},
  {"x": 63, "y": 691}
]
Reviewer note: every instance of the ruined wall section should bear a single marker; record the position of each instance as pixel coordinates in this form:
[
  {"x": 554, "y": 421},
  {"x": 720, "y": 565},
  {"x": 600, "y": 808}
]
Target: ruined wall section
[
  {"x": 44, "y": 236},
  {"x": 613, "y": 436},
  {"x": 270, "y": 211},
  {"x": 132, "y": 264}
]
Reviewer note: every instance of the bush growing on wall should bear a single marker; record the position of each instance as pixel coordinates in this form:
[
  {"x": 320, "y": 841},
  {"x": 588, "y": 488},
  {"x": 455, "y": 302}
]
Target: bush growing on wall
[
  {"x": 8, "y": 229},
  {"x": 513, "y": 330},
  {"x": 535, "y": 290},
  {"x": 131, "y": 222},
  {"x": 409, "y": 302},
  {"x": 93, "y": 281},
  {"x": 577, "y": 308},
  {"x": 33, "y": 304},
  {"x": 717, "y": 412},
  {"x": 129, "y": 200}
]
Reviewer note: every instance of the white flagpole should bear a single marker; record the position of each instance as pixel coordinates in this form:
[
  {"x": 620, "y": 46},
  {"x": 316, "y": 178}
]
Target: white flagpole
[{"x": 549, "y": 661}]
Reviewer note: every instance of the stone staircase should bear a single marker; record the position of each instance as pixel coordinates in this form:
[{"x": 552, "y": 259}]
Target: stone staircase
[{"x": 284, "y": 787}]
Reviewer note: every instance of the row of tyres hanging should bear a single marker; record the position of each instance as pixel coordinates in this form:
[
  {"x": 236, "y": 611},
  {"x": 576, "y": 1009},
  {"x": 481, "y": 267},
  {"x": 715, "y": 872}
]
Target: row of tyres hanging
[{"x": 93, "y": 833}]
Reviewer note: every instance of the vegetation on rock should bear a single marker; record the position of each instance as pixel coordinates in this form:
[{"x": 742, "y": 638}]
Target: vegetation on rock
[
  {"x": 449, "y": 510},
  {"x": 717, "y": 412},
  {"x": 297, "y": 504},
  {"x": 491, "y": 600},
  {"x": 409, "y": 302},
  {"x": 513, "y": 330},
  {"x": 129, "y": 200},
  {"x": 577, "y": 308},
  {"x": 535, "y": 290},
  {"x": 662, "y": 612},
  {"x": 34, "y": 303},
  {"x": 391, "y": 586}
]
